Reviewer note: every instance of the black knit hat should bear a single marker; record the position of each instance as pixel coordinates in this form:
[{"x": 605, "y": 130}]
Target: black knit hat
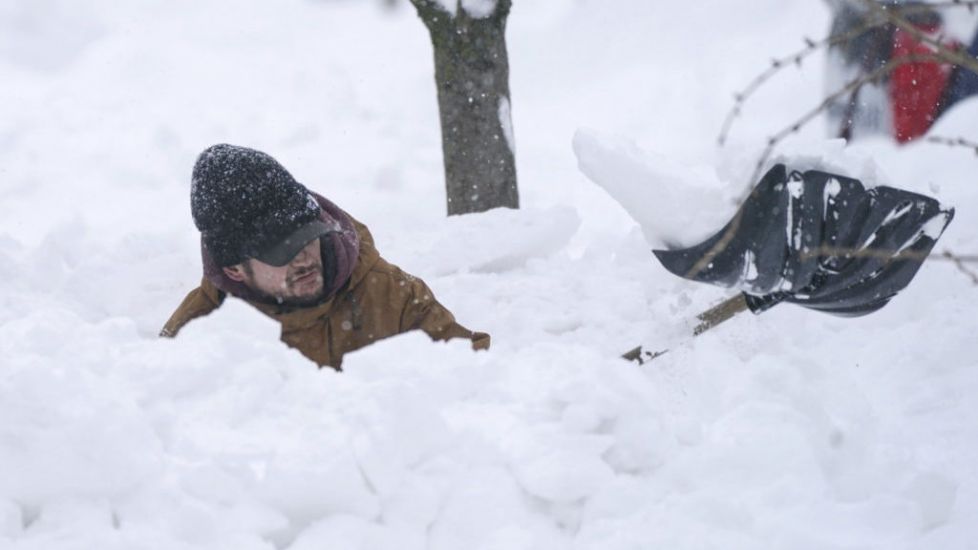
[{"x": 246, "y": 205}]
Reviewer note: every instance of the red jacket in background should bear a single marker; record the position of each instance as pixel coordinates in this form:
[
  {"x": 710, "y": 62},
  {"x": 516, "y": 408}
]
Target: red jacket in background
[{"x": 916, "y": 88}]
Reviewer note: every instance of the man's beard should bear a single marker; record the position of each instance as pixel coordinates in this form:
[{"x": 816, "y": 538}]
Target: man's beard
[
  {"x": 289, "y": 297},
  {"x": 291, "y": 282}
]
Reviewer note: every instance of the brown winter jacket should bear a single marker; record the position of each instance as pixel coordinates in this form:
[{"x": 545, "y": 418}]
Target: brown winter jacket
[{"x": 377, "y": 302}]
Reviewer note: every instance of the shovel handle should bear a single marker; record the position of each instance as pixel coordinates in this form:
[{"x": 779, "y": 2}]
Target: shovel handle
[
  {"x": 707, "y": 320},
  {"x": 719, "y": 313}
]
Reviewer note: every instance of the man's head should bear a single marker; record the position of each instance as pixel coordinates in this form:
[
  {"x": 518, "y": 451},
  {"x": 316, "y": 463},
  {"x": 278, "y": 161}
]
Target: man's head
[{"x": 258, "y": 224}]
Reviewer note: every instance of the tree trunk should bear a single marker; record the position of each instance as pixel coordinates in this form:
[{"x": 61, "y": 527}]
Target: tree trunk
[{"x": 472, "y": 76}]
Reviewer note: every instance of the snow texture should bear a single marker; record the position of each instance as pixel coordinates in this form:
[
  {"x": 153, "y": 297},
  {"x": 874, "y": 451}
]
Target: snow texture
[
  {"x": 478, "y": 9},
  {"x": 788, "y": 430}
]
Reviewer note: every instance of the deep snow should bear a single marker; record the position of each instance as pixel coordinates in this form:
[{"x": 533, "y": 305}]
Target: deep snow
[{"x": 788, "y": 430}]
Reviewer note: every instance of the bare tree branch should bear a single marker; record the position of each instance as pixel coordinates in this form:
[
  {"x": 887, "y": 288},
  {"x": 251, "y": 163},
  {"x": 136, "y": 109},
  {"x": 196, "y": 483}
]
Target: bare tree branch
[
  {"x": 795, "y": 59},
  {"x": 959, "y": 262},
  {"x": 827, "y": 251},
  {"x": 878, "y": 15},
  {"x": 823, "y": 251},
  {"x": 943, "y": 53},
  {"x": 953, "y": 142},
  {"x": 911, "y": 8},
  {"x": 880, "y": 18},
  {"x": 850, "y": 87}
]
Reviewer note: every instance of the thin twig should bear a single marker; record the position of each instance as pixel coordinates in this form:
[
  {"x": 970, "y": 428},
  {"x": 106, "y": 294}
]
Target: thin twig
[
  {"x": 826, "y": 251},
  {"x": 853, "y": 84},
  {"x": 943, "y": 53},
  {"x": 796, "y": 59},
  {"x": 773, "y": 141},
  {"x": 911, "y": 8},
  {"x": 959, "y": 262},
  {"x": 717, "y": 248},
  {"x": 953, "y": 142},
  {"x": 881, "y": 15},
  {"x": 835, "y": 251}
]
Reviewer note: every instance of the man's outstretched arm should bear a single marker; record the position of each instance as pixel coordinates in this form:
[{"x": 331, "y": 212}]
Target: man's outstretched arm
[{"x": 423, "y": 311}]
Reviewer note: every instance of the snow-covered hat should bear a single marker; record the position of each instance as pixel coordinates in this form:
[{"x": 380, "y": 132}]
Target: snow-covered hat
[{"x": 247, "y": 205}]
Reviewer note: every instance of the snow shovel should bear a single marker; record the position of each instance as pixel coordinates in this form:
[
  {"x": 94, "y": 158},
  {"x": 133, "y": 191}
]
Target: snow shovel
[{"x": 819, "y": 240}]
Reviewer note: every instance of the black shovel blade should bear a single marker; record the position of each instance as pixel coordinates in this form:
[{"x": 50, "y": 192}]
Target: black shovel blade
[{"x": 819, "y": 240}]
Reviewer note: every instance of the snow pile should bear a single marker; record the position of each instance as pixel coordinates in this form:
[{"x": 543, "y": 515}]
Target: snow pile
[
  {"x": 785, "y": 430},
  {"x": 498, "y": 241}
]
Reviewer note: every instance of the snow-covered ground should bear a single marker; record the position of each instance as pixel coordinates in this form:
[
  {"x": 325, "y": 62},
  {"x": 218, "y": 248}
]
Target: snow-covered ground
[{"x": 788, "y": 430}]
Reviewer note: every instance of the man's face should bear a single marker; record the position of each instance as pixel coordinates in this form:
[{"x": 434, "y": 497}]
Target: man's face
[{"x": 299, "y": 282}]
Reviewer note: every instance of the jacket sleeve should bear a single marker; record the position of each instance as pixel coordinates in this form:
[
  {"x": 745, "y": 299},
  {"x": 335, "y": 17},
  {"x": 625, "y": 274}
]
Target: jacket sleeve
[
  {"x": 199, "y": 302},
  {"x": 423, "y": 311}
]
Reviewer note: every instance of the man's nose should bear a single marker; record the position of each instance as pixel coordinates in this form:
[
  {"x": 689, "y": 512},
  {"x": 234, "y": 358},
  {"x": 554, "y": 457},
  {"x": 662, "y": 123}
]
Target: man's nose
[{"x": 303, "y": 257}]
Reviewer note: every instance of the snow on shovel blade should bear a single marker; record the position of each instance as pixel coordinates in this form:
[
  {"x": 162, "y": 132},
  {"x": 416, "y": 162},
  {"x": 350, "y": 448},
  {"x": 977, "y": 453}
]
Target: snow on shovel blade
[{"x": 819, "y": 240}]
